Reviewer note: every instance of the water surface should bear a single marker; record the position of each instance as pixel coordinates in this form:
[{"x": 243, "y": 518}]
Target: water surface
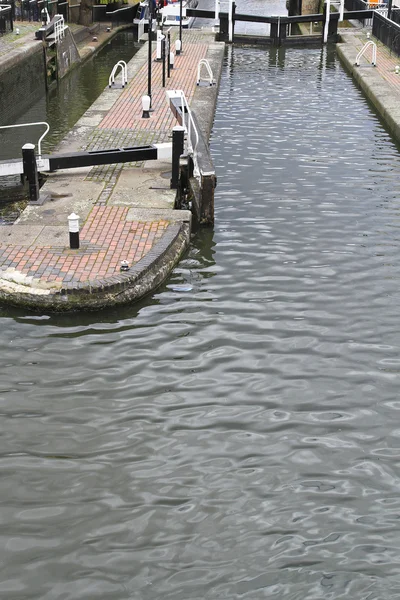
[{"x": 235, "y": 434}]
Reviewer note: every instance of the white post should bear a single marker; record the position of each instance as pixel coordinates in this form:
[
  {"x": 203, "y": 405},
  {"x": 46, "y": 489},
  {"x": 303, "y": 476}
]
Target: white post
[
  {"x": 160, "y": 37},
  {"x": 73, "y": 226},
  {"x": 231, "y": 20},
  {"x": 341, "y": 10},
  {"x": 216, "y": 10},
  {"x": 327, "y": 18}
]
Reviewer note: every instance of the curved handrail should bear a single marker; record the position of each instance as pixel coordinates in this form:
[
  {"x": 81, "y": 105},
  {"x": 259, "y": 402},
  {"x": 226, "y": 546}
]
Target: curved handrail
[
  {"x": 119, "y": 10},
  {"x": 190, "y": 125},
  {"x": 205, "y": 62},
  {"x": 124, "y": 73},
  {"x": 28, "y": 125},
  {"x": 367, "y": 45}
]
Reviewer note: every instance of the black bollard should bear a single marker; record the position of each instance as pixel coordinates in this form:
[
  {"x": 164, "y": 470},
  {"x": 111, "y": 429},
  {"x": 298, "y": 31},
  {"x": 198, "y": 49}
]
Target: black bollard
[
  {"x": 163, "y": 60},
  {"x": 178, "y": 141},
  {"x": 150, "y": 51},
  {"x": 30, "y": 171}
]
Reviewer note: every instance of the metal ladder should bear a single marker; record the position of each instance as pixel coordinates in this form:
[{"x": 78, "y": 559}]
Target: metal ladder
[
  {"x": 204, "y": 62},
  {"x": 362, "y": 51},
  {"x": 124, "y": 73}
]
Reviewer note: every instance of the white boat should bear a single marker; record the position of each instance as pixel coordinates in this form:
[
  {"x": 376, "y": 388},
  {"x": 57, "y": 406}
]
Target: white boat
[{"x": 170, "y": 12}]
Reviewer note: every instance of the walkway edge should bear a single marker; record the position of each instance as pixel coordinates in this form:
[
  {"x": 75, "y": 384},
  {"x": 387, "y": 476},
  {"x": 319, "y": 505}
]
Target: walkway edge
[
  {"x": 143, "y": 277},
  {"x": 378, "y": 91}
]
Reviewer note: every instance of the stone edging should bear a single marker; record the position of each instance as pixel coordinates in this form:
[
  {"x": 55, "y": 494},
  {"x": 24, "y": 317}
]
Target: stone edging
[
  {"x": 376, "y": 89},
  {"x": 143, "y": 277}
]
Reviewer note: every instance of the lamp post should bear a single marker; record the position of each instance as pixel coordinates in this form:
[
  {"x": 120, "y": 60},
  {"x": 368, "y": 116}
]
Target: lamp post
[
  {"x": 150, "y": 32},
  {"x": 180, "y": 25}
]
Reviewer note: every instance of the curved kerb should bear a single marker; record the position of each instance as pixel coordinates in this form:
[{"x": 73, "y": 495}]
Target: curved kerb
[{"x": 142, "y": 278}]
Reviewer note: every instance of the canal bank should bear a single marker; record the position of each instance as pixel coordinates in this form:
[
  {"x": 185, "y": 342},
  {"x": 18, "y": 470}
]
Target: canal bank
[
  {"x": 380, "y": 83},
  {"x": 126, "y": 211},
  {"x": 23, "y": 77}
]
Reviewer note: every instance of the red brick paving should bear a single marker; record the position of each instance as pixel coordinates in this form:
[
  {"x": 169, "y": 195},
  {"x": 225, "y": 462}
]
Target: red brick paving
[
  {"x": 386, "y": 61},
  {"x": 106, "y": 237}
]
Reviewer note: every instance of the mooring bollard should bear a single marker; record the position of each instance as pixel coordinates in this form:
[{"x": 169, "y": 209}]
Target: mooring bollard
[
  {"x": 146, "y": 102},
  {"x": 73, "y": 226},
  {"x": 30, "y": 171},
  {"x": 178, "y": 141}
]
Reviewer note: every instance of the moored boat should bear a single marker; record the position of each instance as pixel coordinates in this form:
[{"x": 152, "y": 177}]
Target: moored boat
[{"x": 170, "y": 11}]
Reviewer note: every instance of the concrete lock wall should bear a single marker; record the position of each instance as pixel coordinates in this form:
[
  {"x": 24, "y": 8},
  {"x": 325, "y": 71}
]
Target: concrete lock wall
[
  {"x": 22, "y": 83},
  {"x": 67, "y": 53},
  {"x": 310, "y": 7}
]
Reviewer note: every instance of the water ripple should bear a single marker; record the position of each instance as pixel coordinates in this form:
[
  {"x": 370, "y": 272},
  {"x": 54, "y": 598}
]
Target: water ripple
[{"x": 235, "y": 435}]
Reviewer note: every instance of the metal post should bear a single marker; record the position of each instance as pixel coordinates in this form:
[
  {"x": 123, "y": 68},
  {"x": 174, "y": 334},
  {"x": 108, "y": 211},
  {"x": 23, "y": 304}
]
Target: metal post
[
  {"x": 327, "y": 18},
  {"x": 73, "y": 226},
  {"x": 150, "y": 33},
  {"x": 389, "y": 13},
  {"x": 160, "y": 37},
  {"x": 341, "y": 10},
  {"x": 180, "y": 24},
  {"x": 30, "y": 171},
  {"x": 163, "y": 60},
  {"x": 178, "y": 140},
  {"x": 230, "y": 26},
  {"x": 169, "y": 55}
]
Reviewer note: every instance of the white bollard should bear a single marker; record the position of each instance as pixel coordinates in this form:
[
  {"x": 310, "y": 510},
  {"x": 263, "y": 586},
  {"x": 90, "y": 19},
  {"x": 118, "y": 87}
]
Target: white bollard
[{"x": 73, "y": 226}]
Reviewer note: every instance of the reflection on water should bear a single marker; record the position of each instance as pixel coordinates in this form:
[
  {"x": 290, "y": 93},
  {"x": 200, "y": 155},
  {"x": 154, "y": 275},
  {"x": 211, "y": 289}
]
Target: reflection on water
[{"x": 234, "y": 435}]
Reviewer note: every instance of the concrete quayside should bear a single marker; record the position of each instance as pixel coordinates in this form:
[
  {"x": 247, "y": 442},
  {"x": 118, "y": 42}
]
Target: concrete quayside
[{"x": 127, "y": 211}]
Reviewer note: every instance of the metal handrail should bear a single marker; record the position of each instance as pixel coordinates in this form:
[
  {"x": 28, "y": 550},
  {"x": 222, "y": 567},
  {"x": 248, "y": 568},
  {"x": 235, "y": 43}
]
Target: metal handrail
[
  {"x": 29, "y": 125},
  {"x": 362, "y": 51},
  {"x": 124, "y": 73},
  {"x": 59, "y": 28},
  {"x": 190, "y": 125},
  {"x": 205, "y": 62},
  {"x": 118, "y": 10}
]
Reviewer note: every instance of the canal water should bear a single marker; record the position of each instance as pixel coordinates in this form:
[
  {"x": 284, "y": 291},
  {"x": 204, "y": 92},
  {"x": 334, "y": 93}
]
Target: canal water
[
  {"x": 235, "y": 434},
  {"x": 69, "y": 100}
]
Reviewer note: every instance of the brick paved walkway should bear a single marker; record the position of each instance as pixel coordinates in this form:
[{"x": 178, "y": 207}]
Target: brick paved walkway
[
  {"x": 107, "y": 237},
  {"x": 386, "y": 60}
]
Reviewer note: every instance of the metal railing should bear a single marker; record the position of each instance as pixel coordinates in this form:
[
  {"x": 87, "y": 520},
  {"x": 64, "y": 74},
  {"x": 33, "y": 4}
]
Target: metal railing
[
  {"x": 189, "y": 124},
  {"x": 121, "y": 15},
  {"x": 204, "y": 63},
  {"x": 124, "y": 73},
  {"x": 59, "y": 28},
  {"x": 387, "y": 31},
  {"x": 6, "y": 21},
  {"x": 30, "y": 10},
  {"x": 364, "y": 49},
  {"x": 39, "y": 143}
]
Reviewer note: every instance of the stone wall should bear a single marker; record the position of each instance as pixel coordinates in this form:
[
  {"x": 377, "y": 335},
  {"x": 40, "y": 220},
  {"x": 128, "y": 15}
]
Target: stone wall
[
  {"x": 310, "y": 7},
  {"x": 67, "y": 53},
  {"x": 22, "y": 83}
]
